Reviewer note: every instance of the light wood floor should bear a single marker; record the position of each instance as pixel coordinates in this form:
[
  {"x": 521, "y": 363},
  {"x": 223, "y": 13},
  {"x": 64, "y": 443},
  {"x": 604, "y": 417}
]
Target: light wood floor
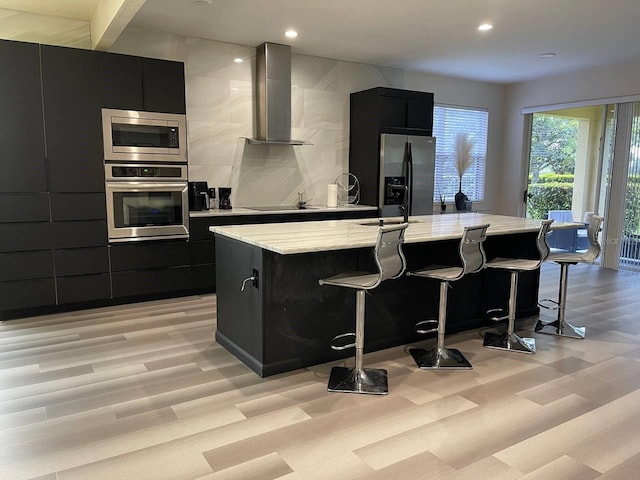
[{"x": 144, "y": 392}]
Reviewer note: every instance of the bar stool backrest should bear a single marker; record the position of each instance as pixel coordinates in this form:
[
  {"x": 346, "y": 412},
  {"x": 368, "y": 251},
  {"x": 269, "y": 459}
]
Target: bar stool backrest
[
  {"x": 471, "y": 249},
  {"x": 593, "y": 252},
  {"x": 388, "y": 251},
  {"x": 541, "y": 241}
]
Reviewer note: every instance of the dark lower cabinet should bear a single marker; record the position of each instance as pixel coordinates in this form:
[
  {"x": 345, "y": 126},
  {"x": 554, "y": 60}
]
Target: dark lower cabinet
[
  {"x": 78, "y": 206},
  {"x": 26, "y": 265},
  {"x": 24, "y": 207},
  {"x": 27, "y": 294},
  {"x": 17, "y": 237},
  {"x": 151, "y": 282},
  {"x": 78, "y": 234},
  {"x": 83, "y": 288},
  {"x": 155, "y": 268},
  {"x": 81, "y": 261}
]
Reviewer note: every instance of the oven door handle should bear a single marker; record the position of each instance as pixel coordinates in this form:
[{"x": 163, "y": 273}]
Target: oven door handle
[{"x": 145, "y": 186}]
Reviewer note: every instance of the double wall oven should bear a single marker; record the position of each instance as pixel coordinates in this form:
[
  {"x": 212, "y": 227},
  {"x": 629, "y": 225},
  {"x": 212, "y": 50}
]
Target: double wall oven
[{"x": 146, "y": 179}]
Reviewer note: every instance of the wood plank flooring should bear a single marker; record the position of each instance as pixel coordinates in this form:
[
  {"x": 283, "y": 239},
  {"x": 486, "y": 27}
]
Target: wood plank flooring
[{"x": 144, "y": 392}]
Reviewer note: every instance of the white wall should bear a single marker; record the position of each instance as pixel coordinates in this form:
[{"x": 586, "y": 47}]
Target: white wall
[
  {"x": 220, "y": 110},
  {"x": 586, "y": 85}
]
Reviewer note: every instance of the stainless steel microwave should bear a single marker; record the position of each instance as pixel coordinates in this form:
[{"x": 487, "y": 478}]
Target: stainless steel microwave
[{"x": 130, "y": 135}]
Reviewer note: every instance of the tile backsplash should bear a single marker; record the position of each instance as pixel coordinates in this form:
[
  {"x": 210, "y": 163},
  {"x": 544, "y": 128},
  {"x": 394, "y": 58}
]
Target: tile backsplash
[{"x": 220, "y": 112}]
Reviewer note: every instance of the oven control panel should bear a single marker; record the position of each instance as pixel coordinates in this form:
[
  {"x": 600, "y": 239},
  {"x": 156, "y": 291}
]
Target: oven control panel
[{"x": 129, "y": 172}]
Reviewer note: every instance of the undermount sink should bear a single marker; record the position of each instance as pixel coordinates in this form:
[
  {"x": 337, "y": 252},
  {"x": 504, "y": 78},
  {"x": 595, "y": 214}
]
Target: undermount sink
[
  {"x": 385, "y": 223},
  {"x": 277, "y": 208}
]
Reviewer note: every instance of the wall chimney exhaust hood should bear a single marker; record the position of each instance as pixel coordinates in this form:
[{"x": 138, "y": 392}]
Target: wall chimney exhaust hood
[{"x": 273, "y": 96}]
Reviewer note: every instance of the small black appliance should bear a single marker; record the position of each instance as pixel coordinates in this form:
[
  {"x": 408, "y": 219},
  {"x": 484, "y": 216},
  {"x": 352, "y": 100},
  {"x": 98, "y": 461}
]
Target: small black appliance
[
  {"x": 225, "y": 198},
  {"x": 198, "y": 196}
]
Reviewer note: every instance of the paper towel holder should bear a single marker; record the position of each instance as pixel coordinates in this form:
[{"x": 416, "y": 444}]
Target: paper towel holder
[{"x": 348, "y": 189}]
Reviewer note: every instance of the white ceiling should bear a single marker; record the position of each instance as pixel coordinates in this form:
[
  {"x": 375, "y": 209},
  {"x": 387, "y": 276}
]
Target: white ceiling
[{"x": 436, "y": 36}]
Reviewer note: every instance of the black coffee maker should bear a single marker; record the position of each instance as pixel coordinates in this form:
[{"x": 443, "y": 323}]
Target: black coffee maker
[
  {"x": 224, "y": 194},
  {"x": 198, "y": 196}
]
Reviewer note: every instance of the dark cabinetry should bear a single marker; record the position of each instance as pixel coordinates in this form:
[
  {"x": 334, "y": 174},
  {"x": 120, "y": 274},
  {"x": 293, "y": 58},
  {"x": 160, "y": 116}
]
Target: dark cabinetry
[
  {"x": 159, "y": 267},
  {"x": 71, "y": 89},
  {"x": 389, "y": 110},
  {"x": 120, "y": 81},
  {"x": 21, "y": 124},
  {"x": 53, "y": 233},
  {"x": 377, "y": 111},
  {"x": 163, "y": 82},
  {"x": 136, "y": 83}
]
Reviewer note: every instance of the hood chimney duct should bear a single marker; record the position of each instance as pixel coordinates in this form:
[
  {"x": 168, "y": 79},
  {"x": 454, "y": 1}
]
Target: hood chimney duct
[{"x": 273, "y": 95}]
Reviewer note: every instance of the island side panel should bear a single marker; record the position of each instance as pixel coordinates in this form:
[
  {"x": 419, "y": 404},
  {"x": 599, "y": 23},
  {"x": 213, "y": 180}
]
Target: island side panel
[
  {"x": 301, "y": 315},
  {"x": 240, "y": 326}
]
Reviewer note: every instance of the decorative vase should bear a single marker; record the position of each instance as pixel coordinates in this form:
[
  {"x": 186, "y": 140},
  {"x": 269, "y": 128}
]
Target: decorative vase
[{"x": 460, "y": 198}]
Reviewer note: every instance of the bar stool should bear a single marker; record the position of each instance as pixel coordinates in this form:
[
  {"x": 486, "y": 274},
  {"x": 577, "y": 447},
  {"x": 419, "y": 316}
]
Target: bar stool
[
  {"x": 510, "y": 340},
  {"x": 559, "y": 326},
  {"x": 391, "y": 263},
  {"x": 473, "y": 258}
]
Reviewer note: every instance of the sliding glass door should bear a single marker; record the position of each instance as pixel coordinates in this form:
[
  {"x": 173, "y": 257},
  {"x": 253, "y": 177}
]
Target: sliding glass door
[{"x": 621, "y": 185}]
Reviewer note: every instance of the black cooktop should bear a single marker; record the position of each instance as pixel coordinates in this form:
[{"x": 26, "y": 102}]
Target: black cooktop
[{"x": 273, "y": 209}]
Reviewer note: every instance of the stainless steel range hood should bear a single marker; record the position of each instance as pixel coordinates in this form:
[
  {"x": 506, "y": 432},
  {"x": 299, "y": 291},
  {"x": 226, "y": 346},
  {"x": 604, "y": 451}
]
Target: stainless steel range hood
[{"x": 273, "y": 95}]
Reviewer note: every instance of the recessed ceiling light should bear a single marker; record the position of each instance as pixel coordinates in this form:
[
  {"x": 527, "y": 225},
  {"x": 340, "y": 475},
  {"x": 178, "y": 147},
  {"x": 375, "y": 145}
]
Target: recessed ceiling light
[
  {"x": 291, "y": 34},
  {"x": 484, "y": 27},
  {"x": 202, "y": 2},
  {"x": 238, "y": 60},
  {"x": 547, "y": 55}
]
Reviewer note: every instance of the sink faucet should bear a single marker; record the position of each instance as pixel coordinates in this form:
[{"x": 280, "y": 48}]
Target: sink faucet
[{"x": 301, "y": 202}]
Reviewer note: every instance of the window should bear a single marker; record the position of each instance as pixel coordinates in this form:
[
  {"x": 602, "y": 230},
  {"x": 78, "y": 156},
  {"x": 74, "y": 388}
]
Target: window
[{"x": 448, "y": 121}]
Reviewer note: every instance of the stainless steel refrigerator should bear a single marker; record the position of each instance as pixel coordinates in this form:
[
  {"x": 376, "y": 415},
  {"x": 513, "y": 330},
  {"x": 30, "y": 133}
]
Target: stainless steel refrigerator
[{"x": 407, "y": 168}]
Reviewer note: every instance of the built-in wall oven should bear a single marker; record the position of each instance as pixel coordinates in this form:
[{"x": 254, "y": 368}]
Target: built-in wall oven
[{"x": 146, "y": 201}]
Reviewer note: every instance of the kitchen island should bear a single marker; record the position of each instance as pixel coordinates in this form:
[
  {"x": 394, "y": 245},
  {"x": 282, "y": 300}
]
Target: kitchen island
[{"x": 283, "y": 319}]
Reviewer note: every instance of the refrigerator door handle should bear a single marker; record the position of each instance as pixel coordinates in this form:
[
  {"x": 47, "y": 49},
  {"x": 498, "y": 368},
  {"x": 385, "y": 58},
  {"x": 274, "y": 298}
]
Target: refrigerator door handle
[{"x": 410, "y": 180}]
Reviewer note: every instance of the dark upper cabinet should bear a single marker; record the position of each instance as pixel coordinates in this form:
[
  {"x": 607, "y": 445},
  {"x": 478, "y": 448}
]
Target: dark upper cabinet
[
  {"x": 137, "y": 83},
  {"x": 391, "y": 110},
  {"x": 163, "y": 86},
  {"x": 121, "y": 81},
  {"x": 419, "y": 107},
  {"x": 71, "y": 89},
  {"x": 21, "y": 124}
]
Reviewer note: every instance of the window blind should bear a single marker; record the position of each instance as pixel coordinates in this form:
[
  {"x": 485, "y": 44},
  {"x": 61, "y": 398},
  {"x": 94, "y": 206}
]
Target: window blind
[{"x": 448, "y": 121}]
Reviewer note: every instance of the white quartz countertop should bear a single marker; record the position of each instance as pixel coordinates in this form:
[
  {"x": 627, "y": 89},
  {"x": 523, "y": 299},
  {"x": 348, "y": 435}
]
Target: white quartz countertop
[
  {"x": 237, "y": 211},
  {"x": 306, "y": 237}
]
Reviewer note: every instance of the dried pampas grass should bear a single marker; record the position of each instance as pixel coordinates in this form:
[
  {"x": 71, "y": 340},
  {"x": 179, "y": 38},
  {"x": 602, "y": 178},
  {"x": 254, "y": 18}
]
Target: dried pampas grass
[{"x": 463, "y": 158}]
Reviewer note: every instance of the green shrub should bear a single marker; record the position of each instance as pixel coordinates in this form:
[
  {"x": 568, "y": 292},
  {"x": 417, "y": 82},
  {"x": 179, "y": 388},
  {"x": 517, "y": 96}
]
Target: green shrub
[
  {"x": 632, "y": 210},
  {"x": 549, "y": 196}
]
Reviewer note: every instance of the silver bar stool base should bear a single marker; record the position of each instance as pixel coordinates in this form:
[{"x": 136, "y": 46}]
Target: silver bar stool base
[
  {"x": 440, "y": 358},
  {"x": 562, "y": 329},
  {"x": 512, "y": 343},
  {"x": 350, "y": 380}
]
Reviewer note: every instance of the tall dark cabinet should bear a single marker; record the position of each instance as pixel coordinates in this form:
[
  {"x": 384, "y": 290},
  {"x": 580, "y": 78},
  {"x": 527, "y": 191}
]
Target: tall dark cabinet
[
  {"x": 382, "y": 110},
  {"x": 21, "y": 124},
  {"x": 54, "y": 249},
  {"x": 26, "y": 259},
  {"x": 71, "y": 98}
]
